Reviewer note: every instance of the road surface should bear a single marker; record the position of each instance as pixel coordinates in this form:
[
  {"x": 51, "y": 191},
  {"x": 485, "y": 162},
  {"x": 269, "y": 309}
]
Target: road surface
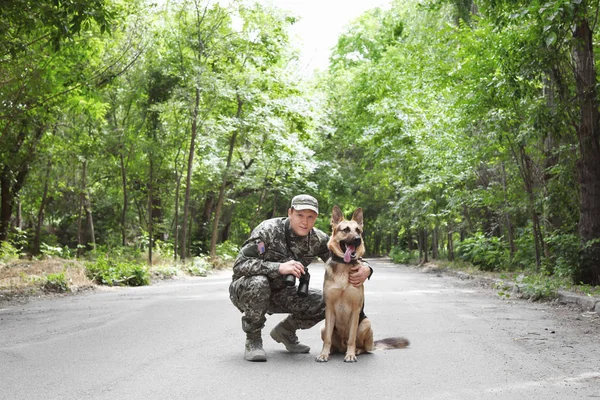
[{"x": 183, "y": 340}]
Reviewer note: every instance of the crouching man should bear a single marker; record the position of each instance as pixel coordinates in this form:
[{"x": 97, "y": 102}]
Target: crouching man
[{"x": 277, "y": 248}]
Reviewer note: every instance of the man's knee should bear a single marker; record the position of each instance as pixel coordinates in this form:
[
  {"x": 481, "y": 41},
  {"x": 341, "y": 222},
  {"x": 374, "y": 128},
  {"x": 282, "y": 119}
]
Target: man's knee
[{"x": 250, "y": 292}]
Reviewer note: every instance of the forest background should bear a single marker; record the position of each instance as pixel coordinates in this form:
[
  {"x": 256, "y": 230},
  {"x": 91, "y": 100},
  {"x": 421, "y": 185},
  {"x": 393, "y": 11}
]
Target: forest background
[{"x": 135, "y": 133}]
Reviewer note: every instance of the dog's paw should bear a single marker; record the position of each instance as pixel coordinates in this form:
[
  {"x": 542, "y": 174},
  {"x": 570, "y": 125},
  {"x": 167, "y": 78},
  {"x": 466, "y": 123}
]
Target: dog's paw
[
  {"x": 322, "y": 358},
  {"x": 350, "y": 358}
]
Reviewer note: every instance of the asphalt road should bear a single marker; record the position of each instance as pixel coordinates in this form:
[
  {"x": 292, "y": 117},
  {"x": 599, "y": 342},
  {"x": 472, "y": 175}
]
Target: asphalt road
[{"x": 183, "y": 340}]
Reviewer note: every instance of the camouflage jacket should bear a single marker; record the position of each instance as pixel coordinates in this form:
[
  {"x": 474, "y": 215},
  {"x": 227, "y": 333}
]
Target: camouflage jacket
[{"x": 273, "y": 242}]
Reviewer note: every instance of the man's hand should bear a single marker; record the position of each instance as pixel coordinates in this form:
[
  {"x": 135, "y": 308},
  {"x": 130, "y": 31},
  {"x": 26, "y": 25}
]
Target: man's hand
[
  {"x": 292, "y": 267},
  {"x": 358, "y": 275}
]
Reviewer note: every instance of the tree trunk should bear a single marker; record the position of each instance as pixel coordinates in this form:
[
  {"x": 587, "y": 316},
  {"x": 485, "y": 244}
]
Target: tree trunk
[
  {"x": 188, "y": 179},
  {"x": 176, "y": 218},
  {"x": 509, "y": 226},
  {"x": 524, "y": 162},
  {"x": 450, "y": 245},
  {"x": 40, "y": 216},
  {"x": 11, "y": 182},
  {"x": 434, "y": 244},
  {"x": 125, "y": 201},
  {"x": 149, "y": 207},
  {"x": 80, "y": 236},
  {"x": 90, "y": 221},
  {"x": 425, "y": 247},
  {"x": 588, "y": 164},
  {"x": 19, "y": 221},
  {"x": 258, "y": 210},
  {"x": 221, "y": 199}
]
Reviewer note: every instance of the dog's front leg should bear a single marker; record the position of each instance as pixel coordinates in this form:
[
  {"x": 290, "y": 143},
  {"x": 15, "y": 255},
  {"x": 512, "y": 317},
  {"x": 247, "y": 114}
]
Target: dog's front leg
[
  {"x": 351, "y": 350},
  {"x": 327, "y": 333}
]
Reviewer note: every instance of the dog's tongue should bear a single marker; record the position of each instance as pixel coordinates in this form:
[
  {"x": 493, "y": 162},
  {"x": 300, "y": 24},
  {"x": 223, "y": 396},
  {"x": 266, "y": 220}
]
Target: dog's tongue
[{"x": 348, "y": 253}]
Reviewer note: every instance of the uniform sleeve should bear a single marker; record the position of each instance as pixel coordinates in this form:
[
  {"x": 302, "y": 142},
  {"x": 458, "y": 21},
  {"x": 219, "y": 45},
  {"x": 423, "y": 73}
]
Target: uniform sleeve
[
  {"x": 363, "y": 262},
  {"x": 250, "y": 261},
  {"x": 323, "y": 253}
]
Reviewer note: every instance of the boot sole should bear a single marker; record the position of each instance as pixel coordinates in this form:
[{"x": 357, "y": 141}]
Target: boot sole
[{"x": 256, "y": 358}]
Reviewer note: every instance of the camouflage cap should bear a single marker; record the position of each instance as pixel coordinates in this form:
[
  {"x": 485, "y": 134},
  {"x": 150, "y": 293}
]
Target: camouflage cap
[{"x": 305, "y": 202}]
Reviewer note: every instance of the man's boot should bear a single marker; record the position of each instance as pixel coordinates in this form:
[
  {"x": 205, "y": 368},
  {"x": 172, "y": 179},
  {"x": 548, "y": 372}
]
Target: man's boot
[
  {"x": 285, "y": 333},
  {"x": 254, "y": 347}
]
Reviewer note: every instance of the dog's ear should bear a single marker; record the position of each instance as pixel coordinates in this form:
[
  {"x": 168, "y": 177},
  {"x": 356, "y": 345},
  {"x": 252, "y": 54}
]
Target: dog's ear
[
  {"x": 336, "y": 216},
  {"x": 358, "y": 216}
]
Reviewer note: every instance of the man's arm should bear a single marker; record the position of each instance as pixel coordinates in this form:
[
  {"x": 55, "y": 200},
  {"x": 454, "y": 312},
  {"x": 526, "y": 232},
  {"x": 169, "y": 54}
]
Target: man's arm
[
  {"x": 360, "y": 273},
  {"x": 250, "y": 260}
]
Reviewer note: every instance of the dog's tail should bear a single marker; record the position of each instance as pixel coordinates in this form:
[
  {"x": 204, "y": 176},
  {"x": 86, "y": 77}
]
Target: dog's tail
[{"x": 391, "y": 343}]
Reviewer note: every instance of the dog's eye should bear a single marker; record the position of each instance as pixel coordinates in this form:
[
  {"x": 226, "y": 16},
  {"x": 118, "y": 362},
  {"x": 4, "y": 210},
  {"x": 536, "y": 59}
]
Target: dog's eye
[
  {"x": 358, "y": 231},
  {"x": 346, "y": 230}
]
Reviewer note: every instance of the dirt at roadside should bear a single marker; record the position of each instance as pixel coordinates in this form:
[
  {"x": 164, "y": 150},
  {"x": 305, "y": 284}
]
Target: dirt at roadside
[{"x": 22, "y": 280}]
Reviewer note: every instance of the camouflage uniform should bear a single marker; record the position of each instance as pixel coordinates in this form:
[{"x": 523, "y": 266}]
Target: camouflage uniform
[{"x": 257, "y": 287}]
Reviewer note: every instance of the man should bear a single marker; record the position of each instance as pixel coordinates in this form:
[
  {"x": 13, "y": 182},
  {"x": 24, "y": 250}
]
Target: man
[{"x": 278, "y": 247}]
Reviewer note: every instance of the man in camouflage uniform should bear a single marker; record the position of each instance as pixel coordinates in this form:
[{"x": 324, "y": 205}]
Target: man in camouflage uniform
[{"x": 278, "y": 247}]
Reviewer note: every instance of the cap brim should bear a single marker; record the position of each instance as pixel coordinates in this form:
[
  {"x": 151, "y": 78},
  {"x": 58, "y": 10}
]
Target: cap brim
[{"x": 305, "y": 207}]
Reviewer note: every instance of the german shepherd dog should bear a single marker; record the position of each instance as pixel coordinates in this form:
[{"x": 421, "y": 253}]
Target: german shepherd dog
[{"x": 343, "y": 330}]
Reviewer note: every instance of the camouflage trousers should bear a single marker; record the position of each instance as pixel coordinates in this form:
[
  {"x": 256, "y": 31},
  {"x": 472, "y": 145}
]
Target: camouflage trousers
[{"x": 255, "y": 298}]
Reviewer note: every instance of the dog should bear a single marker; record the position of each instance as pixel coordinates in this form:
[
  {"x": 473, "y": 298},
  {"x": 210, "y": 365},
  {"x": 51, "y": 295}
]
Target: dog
[{"x": 343, "y": 330}]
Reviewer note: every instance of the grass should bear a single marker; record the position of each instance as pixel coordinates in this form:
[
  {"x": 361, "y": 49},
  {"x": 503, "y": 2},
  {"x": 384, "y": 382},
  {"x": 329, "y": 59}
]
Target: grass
[
  {"x": 532, "y": 285},
  {"x": 25, "y": 278}
]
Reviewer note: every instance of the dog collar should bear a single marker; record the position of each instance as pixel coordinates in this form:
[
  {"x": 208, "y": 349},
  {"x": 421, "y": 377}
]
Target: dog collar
[{"x": 341, "y": 260}]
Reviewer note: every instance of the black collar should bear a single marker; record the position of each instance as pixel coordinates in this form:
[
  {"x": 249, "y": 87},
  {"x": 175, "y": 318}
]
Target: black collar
[{"x": 341, "y": 260}]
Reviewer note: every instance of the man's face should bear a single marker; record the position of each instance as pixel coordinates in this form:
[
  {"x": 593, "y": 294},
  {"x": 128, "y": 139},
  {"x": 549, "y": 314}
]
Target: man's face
[{"x": 302, "y": 221}]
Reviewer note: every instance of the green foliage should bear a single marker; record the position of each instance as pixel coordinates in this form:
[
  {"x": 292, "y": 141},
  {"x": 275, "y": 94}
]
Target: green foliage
[
  {"x": 8, "y": 252},
  {"x": 227, "y": 250},
  {"x": 487, "y": 253},
  {"x": 55, "y": 251},
  {"x": 164, "y": 271},
  {"x": 430, "y": 118},
  {"x": 112, "y": 272},
  {"x": 19, "y": 239},
  {"x": 401, "y": 256},
  {"x": 540, "y": 286},
  {"x": 200, "y": 266},
  {"x": 565, "y": 254},
  {"x": 57, "y": 283}
]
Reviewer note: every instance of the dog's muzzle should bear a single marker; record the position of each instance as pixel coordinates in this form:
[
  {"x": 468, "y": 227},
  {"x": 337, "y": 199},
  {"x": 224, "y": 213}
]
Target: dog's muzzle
[{"x": 349, "y": 248}]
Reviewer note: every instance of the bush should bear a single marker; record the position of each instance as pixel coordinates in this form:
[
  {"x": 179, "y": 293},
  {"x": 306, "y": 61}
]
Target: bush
[
  {"x": 8, "y": 252},
  {"x": 401, "y": 256},
  {"x": 121, "y": 273},
  {"x": 55, "y": 251},
  {"x": 56, "y": 283},
  {"x": 564, "y": 250},
  {"x": 164, "y": 249},
  {"x": 164, "y": 271},
  {"x": 540, "y": 286},
  {"x": 227, "y": 251},
  {"x": 488, "y": 253},
  {"x": 200, "y": 266}
]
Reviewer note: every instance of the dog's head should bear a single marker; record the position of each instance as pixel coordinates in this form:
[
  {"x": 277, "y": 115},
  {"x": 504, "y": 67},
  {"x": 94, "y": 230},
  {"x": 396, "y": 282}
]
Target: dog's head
[{"x": 346, "y": 240}]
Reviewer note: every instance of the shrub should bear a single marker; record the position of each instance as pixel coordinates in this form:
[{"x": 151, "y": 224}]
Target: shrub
[
  {"x": 56, "y": 283},
  {"x": 121, "y": 273},
  {"x": 55, "y": 251},
  {"x": 401, "y": 256},
  {"x": 8, "y": 252},
  {"x": 540, "y": 286},
  {"x": 564, "y": 250},
  {"x": 488, "y": 253},
  {"x": 164, "y": 249},
  {"x": 227, "y": 251},
  {"x": 164, "y": 271},
  {"x": 200, "y": 266}
]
